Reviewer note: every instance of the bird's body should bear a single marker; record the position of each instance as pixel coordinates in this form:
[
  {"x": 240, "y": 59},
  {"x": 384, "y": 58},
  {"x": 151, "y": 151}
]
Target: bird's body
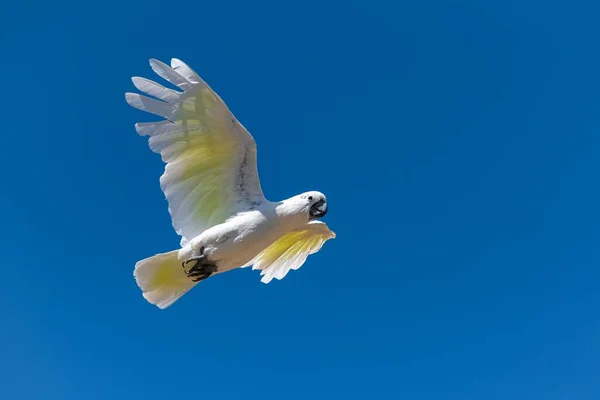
[
  {"x": 215, "y": 199},
  {"x": 238, "y": 240}
]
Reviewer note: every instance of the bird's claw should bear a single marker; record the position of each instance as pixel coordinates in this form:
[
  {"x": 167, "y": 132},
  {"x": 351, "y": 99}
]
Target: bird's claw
[
  {"x": 189, "y": 260},
  {"x": 200, "y": 270}
]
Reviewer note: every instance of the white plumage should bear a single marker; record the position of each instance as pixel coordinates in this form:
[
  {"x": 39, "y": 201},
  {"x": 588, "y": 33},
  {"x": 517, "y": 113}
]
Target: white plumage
[{"x": 213, "y": 191}]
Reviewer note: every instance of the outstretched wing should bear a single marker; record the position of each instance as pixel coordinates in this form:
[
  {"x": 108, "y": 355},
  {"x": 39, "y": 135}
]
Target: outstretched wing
[
  {"x": 211, "y": 170},
  {"x": 291, "y": 251}
]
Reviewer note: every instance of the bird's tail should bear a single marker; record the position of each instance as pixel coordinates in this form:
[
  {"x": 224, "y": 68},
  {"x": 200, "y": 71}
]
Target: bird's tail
[{"x": 162, "y": 279}]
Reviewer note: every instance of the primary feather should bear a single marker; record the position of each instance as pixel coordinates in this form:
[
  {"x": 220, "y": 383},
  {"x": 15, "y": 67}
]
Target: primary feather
[{"x": 211, "y": 170}]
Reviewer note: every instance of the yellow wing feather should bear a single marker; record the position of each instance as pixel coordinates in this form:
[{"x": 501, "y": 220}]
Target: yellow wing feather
[
  {"x": 291, "y": 250},
  {"x": 211, "y": 170}
]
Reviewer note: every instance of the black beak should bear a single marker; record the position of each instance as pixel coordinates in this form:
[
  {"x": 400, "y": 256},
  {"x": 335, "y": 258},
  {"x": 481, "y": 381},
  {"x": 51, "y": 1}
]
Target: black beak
[{"x": 318, "y": 210}]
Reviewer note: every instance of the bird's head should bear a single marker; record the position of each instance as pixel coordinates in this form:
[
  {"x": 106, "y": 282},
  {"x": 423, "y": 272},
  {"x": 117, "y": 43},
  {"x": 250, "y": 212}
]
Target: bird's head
[
  {"x": 307, "y": 206},
  {"x": 316, "y": 204}
]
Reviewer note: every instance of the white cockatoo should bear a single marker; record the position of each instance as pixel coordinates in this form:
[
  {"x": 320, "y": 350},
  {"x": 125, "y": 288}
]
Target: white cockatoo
[{"x": 213, "y": 192}]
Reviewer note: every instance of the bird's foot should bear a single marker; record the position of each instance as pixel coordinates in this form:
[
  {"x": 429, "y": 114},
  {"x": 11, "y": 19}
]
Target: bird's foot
[
  {"x": 201, "y": 269},
  {"x": 198, "y": 260}
]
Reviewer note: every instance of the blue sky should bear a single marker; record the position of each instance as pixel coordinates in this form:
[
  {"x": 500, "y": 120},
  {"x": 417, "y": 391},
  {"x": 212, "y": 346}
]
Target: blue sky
[{"x": 457, "y": 143}]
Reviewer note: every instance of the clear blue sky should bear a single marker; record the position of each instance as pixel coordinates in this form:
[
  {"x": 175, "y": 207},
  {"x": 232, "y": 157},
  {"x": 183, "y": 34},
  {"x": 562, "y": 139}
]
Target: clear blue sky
[{"x": 457, "y": 143}]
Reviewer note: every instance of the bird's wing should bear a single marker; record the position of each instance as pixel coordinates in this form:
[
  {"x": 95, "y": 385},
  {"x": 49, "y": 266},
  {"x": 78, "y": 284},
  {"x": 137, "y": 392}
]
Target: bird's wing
[
  {"x": 211, "y": 170},
  {"x": 291, "y": 250}
]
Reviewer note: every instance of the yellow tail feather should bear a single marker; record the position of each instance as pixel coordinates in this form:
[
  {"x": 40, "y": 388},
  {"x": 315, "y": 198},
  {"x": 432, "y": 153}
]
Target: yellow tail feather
[{"x": 162, "y": 279}]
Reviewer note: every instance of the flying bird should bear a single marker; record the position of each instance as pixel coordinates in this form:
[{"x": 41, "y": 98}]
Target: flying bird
[{"x": 214, "y": 194}]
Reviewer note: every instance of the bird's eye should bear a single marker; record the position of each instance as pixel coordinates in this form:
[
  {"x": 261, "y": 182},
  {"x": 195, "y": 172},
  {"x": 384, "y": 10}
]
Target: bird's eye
[{"x": 310, "y": 198}]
